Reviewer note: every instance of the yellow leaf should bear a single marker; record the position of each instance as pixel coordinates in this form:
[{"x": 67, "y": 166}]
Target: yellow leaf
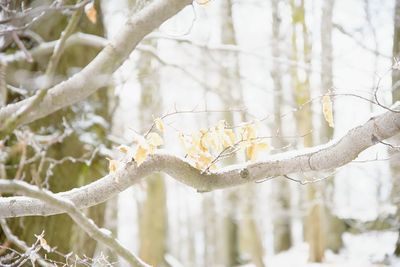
[
  {"x": 112, "y": 165},
  {"x": 251, "y": 152},
  {"x": 91, "y": 12},
  {"x": 154, "y": 139},
  {"x": 248, "y": 132},
  {"x": 43, "y": 243},
  {"x": 262, "y": 146},
  {"x": 209, "y": 140},
  {"x": 229, "y": 137},
  {"x": 253, "y": 149},
  {"x": 190, "y": 149},
  {"x": 159, "y": 124},
  {"x": 204, "y": 140},
  {"x": 204, "y": 160},
  {"x": 141, "y": 154},
  {"x": 124, "y": 149},
  {"x": 196, "y": 142},
  {"x": 327, "y": 109}
]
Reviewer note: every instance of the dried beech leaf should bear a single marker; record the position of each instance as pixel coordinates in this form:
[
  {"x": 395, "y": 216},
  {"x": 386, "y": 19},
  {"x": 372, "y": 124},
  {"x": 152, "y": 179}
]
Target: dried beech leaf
[
  {"x": 248, "y": 132},
  {"x": 154, "y": 140},
  {"x": 229, "y": 138},
  {"x": 159, "y": 124},
  {"x": 255, "y": 147},
  {"x": 124, "y": 149},
  {"x": 43, "y": 243},
  {"x": 91, "y": 12},
  {"x": 112, "y": 165},
  {"x": 141, "y": 154},
  {"x": 327, "y": 109},
  {"x": 204, "y": 160},
  {"x": 251, "y": 152}
]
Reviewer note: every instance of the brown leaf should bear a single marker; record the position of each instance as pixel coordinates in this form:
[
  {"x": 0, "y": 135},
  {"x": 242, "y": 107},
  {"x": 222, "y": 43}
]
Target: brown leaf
[
  {"x": 91, "y": 12},
  {"x": 327, "y": 109}
]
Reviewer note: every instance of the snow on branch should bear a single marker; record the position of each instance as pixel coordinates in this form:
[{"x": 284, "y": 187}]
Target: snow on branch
[
  {"x": 65, "y": 205},
  {"x": 82, "y": 84},
  {"x": 325, "y": 157}
]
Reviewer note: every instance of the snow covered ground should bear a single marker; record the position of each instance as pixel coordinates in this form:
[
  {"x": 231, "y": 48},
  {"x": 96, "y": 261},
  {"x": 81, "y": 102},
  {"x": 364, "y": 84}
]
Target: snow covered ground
[{"x": 369, "y": 249}]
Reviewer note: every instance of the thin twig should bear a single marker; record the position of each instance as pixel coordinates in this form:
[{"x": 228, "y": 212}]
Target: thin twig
[
  {"x": 21, "y": 46},
  {"x": 61, "y": 43},
  {"x": 22, "y": 245}
]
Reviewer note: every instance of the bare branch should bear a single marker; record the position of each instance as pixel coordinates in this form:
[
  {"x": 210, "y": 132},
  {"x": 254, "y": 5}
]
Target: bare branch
[{"x": 60, "y": 45}]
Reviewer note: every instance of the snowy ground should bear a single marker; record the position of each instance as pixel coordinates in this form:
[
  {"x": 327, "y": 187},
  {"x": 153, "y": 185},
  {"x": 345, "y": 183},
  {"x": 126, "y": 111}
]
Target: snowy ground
[{"x": 362, "y": 250}]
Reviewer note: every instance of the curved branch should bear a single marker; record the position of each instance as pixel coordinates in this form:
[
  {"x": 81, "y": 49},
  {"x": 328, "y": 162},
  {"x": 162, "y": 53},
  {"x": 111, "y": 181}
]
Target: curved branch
[
  {"x": 46, "y": 48},
  {"x": 65, "y": 205},
  {"x": 325, "y": 157},
  {"x": 97, "y": 72}
]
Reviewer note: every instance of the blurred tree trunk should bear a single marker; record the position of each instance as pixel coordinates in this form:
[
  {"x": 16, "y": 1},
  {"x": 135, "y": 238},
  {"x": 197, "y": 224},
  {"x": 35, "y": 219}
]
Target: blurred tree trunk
[
  {"x": 111, "y": 210},
  {"x": 153, "y": 213},
  {"x": 251, "y": 234},
  {"x": 334, "y": 225},
  {"x": 231, "y": 93},
  {"x": 209, "y": 230},
  {"x": 281, "y": 190},
  {"x": 314, "y": 222},
  {"x": 229, "y": 244},
  {"x": 395, "y": 157},
  {"x": 60, "y": 231}
]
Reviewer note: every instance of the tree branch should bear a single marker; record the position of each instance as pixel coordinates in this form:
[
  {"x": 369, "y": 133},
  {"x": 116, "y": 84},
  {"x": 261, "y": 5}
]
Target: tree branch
[
  {"x": 325, "y": 157},
  {"x": 65, "y": 205},
  {"x": 97, "y": 72},
  {"x": 31, "y": 251}
]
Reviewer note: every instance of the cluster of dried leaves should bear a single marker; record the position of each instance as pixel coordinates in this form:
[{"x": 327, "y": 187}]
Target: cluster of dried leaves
[
  {"x": 206, "y": 147},
  {"x": 203, "y": 148}
]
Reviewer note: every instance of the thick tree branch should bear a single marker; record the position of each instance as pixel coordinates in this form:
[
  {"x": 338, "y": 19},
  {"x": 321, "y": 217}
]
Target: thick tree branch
[
  {"x": 97, "y": 72},
  {"x": 65, "y": 205},
  {"x": 325, "y": 157},
  {"x": 46, "y": 48}
]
